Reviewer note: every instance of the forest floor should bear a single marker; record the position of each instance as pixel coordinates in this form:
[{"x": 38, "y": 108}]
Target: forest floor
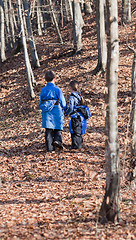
[{"x": 58, "y": 195}]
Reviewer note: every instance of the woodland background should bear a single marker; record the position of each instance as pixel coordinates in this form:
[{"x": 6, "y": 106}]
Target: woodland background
[{"x": 58, "y": 195}]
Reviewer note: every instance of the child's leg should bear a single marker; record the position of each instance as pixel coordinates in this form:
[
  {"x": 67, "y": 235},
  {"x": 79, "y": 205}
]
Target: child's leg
[
  {"x": 58, "y": 138},
  {"x": 76, "y": 141},
  {"x": 49, "y": 139},
  {"x": 76, "y": 136}
]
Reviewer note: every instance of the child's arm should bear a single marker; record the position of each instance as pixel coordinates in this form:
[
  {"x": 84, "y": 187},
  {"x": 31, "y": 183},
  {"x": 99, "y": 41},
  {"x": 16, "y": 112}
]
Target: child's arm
[
  {"x": 63, "y": 103},
  {"x": 71, "y": 106}
]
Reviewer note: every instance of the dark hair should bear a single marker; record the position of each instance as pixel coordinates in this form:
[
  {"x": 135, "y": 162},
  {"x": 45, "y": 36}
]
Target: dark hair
[
  {"x": 75, "y": 87},
  {"x": 49, "y": 75}
]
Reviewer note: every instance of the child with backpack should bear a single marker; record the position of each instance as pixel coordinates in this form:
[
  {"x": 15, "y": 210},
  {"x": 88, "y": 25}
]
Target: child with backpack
[{"x": 79, "y": 114}]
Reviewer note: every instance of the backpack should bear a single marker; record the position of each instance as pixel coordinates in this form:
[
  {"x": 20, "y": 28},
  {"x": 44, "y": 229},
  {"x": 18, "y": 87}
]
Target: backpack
[{"x": 83, "y": 109}]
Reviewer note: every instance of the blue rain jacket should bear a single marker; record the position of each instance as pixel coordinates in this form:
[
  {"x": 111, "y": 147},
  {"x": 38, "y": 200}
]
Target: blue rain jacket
[
  {"x": 52, "y": 115},
  {"x": 74, "y": 101}
]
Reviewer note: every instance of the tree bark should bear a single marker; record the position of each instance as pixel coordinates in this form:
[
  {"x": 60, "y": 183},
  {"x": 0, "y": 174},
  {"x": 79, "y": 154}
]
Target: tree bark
[
  {"x": 87, "y": 7},
  {"x": 30, "y": 76},
  {"x": 39, "y": 19},
  {"x": 126, "y": 11},
  {"x": 101, "y": 37},
  {"x": 70, "y": 8},
  {"x": 133, "y": 115},
  {"x": 2, "y": 34},
  {"x": 35, "y": 59},
  {"x": 134, "y": 106},
  {"x": 78, "y": 24},
  {"x": 9, "y": 41},
  {"x": 55, "y": 22},
  {"x": 12, "y": 26},
  {"x": 110, "y": 207}
]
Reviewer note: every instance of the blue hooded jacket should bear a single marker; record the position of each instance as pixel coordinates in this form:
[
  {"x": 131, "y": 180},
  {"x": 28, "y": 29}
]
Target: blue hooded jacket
[
  {"x": 74, "y": 101},
  {"x": 52, "y": 115}
]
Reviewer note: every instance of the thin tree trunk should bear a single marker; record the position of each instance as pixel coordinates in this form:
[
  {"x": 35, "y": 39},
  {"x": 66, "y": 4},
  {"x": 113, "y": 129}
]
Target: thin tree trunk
[
  {"x": 110, "y": 207},
  {"x": 68, "y": 11},
  {"x": 9, "y": 42},
  {"x": 126, "y": 11},
  {"x": 32, "y": 9},
  {"x": 78, "y": 24},
  {"x": 24, "y": 19},
  {"x": 133, "y": 114},
  {"x": 101, "y": 37},
  {"x": 35, "y": 60},
  {"x": 55, "y": 22},
  {"x": 2, "y": 34},
  {"x": 39, "y": 22},
  {"x": 134, "y": 106},
  {"x": 70, "y": 8},
  {"x": 30, "y": 76},
  {"x": 39, "y": 19},
  {"x": 61, "y": 10},
  {"x": 87, "y": 7},
  {"x": 11, "y": 17}
]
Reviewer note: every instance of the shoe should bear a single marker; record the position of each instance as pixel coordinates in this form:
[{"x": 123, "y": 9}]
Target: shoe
[
  {"x": 57, "y": 144},
  {"x": 50, "y": 150},
  {"x": 75, "y": 147}
]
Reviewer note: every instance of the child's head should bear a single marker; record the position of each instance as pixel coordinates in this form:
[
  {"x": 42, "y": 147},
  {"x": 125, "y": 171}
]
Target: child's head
[
  {"x": 49, "y": 76},
  {"x": 74, "y": 85}
]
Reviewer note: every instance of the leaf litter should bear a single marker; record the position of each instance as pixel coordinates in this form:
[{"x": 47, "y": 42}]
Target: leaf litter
[{"x": 58, "y": 195}]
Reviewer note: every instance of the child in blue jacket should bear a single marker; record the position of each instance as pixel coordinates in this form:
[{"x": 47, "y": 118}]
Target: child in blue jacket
[
  {"x": 52, "y": 103},
  {"x": 78, "y": 123}
]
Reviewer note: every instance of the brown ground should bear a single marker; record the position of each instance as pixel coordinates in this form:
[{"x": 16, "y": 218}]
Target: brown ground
[{"x": 58, "y": 195}]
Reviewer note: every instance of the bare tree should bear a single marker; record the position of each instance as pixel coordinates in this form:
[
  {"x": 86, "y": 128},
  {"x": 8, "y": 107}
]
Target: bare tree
[
  {"x": 78, "y": 24},
  {"x": 55, "y": 21},
  {"x": 30, "y": 76},
  {"x": 133, "y": 115},
  {"x": 68, "y": 9},
  {"x": 8, "y": 35},
  {"x": 12, "y": 22},
  {"x": 126, "y": 11},
  {"x": 87, "y": 7},
  {"x": 101, "y": 37},
  {"x": 110, "y": 206},
  {"x": 35, "y": 59},
  {"x": 2, "y": 32}
]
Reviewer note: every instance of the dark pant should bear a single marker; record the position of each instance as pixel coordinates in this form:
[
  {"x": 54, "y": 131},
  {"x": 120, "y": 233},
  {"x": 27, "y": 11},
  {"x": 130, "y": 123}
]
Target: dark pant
[
  {"x": 76, "y": 136},
  {"x": 52, "y": 135}
]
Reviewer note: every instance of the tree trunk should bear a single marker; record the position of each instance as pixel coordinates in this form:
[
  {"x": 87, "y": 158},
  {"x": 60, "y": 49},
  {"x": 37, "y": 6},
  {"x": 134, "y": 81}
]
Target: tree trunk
[
  {"x": 87, "y": 7},
  {"x": 35, "y": 60},
  {"x": 133, "y": 115},
  {"x": 39, "y": 19},
  {"x": 32, "y": 9},
  {"x": 30, "y": 76},
  {"x": 2, "y": 34},
  {"x": 13, "y": 15},
  {"x": 126, "y": 11},
  {"x": 101, "y": 37},
  {"x": 70, "y": 8},
  {"x": 55, "y": 22},
  {"x": 110, "y": 207},
  {"x": 12, "y": 26},
  {"x": 134, "y": 106},
  {"x": 78, "y": 24},
  {"x": 9, "y": 41}
]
